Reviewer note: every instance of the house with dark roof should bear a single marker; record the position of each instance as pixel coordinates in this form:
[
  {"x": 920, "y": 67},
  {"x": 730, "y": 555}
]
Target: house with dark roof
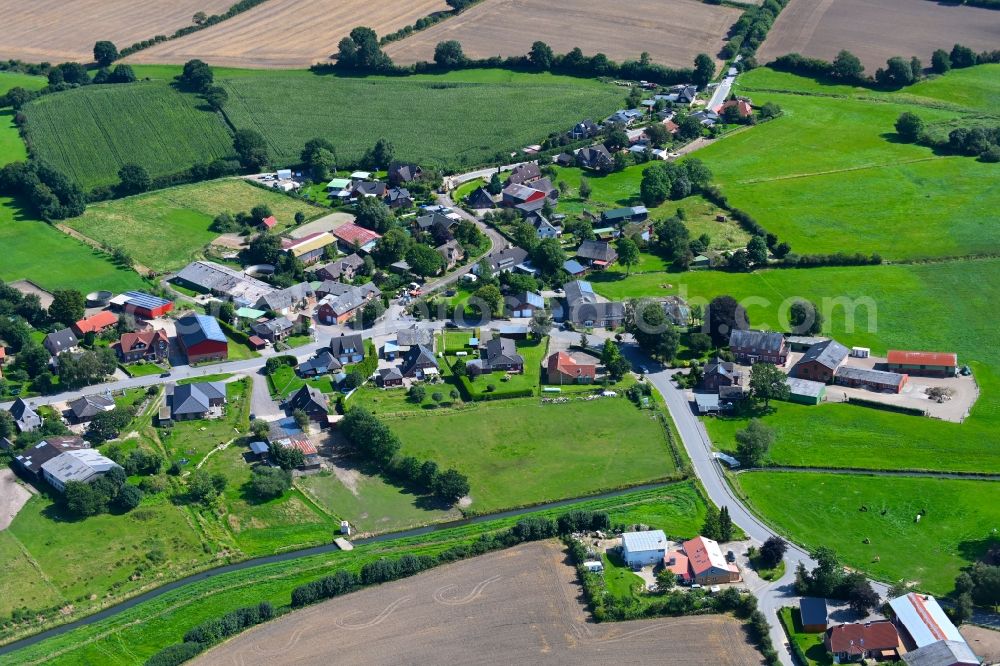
[
  {"x": 545, "y": 186},
  {"x": 574, "y": 268},
  {"x": 565, "y": 369},
  {"x": 274, "y": 330},
  {"x": 814, "y": 614},
  {"x": 347, "y": 348},
  {"x": 451, "y": 252},
  {"x": 821, "y": 361},
  {"x": 151, "y": 345},
  {"x": 872, "y": 380},
  {"x": 503, "y": 261},
  {"x": 199, "y": 400},
  {"x": 25, "y": 418},
  {"x": 419, "y": 362},
  {"x": 585, "y": 129},
  {"x": 565, "y": 159},
  {"x": 310, "y": 400},
  {"x": 390, "y": 377},
  {"x": 368, "y": 188},
  {"x": 523, "y": 174},
  {"x": 497, "y": 355},
  {"x": 749, "y": 347},
  {"x": 597, "y": 254},
  {"x": 435, "y": 220},
  {"x": 60, "y": 341},
  {"x": 323, "y": 363},
  {"x": 31, "y": 459},
  {"x": 595, "y": 158},
  {"x": 620, "y": 216},
  {"x": 543, "y": 227},
  {"x": 401, "y": 173},
  {"x": 398, "y": 197},
  {"x": 719, "y": 373},
  {"x": 525, "y": 304},
  {"x": 341, "y": 269},
  {"x": 856, "y": 641},
  {"x": 480, "y": 199},
  {"x": 296, "y": 298},
  {"x": 342, "y": 302},
  {"x": 86, "y": 407},
  {"x": 584, "y": 309},
  {"x": 624, "y": 117},
  {"x": 413, "y": 337},
  {"x": 677, "y": 310},
  {"x": 201, "y": 338}
]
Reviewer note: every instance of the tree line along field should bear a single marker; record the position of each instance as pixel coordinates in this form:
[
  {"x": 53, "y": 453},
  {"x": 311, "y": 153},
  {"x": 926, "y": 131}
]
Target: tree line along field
[
  {"x": 89, "y": 133},
  {"x": 954, "y": 530},
  {"x": 165, "y": 229},
  {"x": 831, "y": 176},
  {"x": 876, "y": 31},
  {"x": 135, "y": 634},
  {"x": 452, "y": 120},
  {"x": 672, "y": 33}
]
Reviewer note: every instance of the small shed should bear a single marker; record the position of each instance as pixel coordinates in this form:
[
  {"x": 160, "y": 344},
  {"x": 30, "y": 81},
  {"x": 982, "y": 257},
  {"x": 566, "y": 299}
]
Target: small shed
[
  {"x": 813, "y": 612},
  {"x": 258, "y": 450},
  {"x": 805, "y": 391},
  {"x": 257, "y": 342}
]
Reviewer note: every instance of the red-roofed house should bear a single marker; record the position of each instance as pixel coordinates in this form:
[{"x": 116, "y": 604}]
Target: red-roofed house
[
  {"x": 742, "y": 107},
  {"x": 926, "y": 364},
  {"x": 564, "y": 369},
  {"x": 855, "y": 641},
  {"x": 671, "y": 126},
  {"x": 148, "y": 345},
  {"x": 95, "y": 324},
  {"x": 268, "y": 223},
  {"x": 353, "y": 236},
  {"x": 706, "y": 565}
]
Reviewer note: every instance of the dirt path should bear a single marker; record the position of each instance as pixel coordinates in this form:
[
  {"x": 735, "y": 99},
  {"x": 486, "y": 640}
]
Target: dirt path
[
  {"x": 13, "y": 496},
  {"x": 136, "y": 266}
]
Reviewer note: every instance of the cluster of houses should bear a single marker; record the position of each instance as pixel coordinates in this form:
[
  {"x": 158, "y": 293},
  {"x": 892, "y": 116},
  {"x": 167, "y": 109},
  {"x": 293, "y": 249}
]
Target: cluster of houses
[
  {"x": 697, "y": 561},
  {"x": 919, "y": 634},
  {"x": 824, "y": 361},
  {"x": 362, "y": 184}
]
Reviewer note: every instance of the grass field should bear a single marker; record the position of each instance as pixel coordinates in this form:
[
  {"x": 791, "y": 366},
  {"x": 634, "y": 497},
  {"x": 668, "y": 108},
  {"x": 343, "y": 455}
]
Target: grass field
[
  {"x": 10, "y": 80},
  {"x": 953, "y": 532},
  {"x": 810, "y": 644},
  {"x": 830, "y": 176},
  {"x": 89, "y": 133},
  {"x": 131, "y": 637},
  {"x": 519, "y": 452},
  {"x": 456, "y": 119},
  {"x": 166, "y": 229},
  {"x": 533, "y": 352},
  {"x": 285, "y": 380}
]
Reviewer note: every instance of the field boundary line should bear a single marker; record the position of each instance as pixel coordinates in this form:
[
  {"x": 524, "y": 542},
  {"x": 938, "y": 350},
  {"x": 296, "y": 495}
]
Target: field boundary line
[
  {"x": 37, "y": 567},
  {"x": 864, "y": 471},
  {"x": 864, "y": 167},
  {"x": 87, "y": 240}
]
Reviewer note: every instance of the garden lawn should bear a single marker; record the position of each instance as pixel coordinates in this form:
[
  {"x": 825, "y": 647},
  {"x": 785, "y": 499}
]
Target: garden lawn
[
  {"x": 533, "y": 352},
  {"x": 811, "y": 644},
  {"x": 452, "y": 120},
  {"x": 284, "y": 380},
  {"x": 371, "y": 504},
  {"x": 194, "y": 439},
  {"x": 826, "y": 511},
  {"x": 395, "y": 400},
  {"x": 465, "y": 189},
  {"x": 90, "y": 133},
  {"x": 520, "y": 452},
  {"x": 134, "y": 635},
  {"x": 166, "y": 229},
  {"x": 831, "y": 175}
]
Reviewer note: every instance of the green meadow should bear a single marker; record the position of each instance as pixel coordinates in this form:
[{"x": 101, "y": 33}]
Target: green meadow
[{"x": 826, "y": 510}]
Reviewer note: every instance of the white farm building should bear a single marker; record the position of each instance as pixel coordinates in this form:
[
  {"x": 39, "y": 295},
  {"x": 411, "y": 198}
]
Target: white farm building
[{"x": 642, "y": 548}]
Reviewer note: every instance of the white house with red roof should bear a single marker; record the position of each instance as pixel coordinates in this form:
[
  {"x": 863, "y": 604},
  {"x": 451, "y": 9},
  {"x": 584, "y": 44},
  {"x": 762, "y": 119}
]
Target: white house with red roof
[
  {"x": 700, "y": 560},
  {"x": 355, "y": 237}
]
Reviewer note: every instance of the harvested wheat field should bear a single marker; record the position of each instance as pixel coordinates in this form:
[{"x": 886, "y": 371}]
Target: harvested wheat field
[
  {"x": 287, "y": 33},
  {"x": 61, "y": 30},
  {"x": 673, "y": 32},
  {"x": 517, "y": 606},
  {"x": 877, "y": 31}
]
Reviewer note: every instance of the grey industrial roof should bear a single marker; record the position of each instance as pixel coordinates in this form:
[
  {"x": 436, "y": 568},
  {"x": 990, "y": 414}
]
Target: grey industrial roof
[
  {"x": 942, "y": 653},
  {"x": 829, "y": 353},
  {"x": 765, "y": 341},
  {"x": 596, "y": 251},
  {"x": 923, "y": 619},
  {"x": 79, "y": 465},
  {"x": 143, "y": 300},
  {"x": 409, "y": 337},
  {"x": 224, "y": 280},
  {"x": 636, "y": 542},
  {"x": 32, "y": 459},
  {"x": 868, "y": 375},
  {"x": 806, "y": 387},
  {"x": 284, "y": 298}
]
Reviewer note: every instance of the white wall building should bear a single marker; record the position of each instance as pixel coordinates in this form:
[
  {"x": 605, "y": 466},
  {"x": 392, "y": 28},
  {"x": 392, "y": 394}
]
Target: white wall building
[
  {"x": 642, "y": 548},
  {"x": 84, "y": 465}
]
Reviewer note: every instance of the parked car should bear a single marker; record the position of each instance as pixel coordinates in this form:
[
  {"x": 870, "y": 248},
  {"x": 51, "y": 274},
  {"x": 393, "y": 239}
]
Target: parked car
[
  {"x": 730, "y": 556},
  {"x": 165, "y": 374}
]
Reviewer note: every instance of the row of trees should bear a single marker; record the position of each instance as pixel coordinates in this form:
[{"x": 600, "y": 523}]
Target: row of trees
[
  {"x": 829, "y": 580},
  {"x": 983, "y": 141},
  {"x": 107, "y": 492},
  {"x": 379, "y": 446},
  {"x": 44, "y": 187},
  {"x": 673, "y": 180}
]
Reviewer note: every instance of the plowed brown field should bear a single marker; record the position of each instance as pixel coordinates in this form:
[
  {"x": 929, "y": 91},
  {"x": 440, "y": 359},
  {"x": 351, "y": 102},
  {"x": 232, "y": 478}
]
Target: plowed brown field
[
  {"x": 517, "y": 606},
  {"x": 673, "y": 32},
  {"x": 877, "y": 31},
  {"x": 61, "y": 30},
  {"x": 287, "y": 33}
]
